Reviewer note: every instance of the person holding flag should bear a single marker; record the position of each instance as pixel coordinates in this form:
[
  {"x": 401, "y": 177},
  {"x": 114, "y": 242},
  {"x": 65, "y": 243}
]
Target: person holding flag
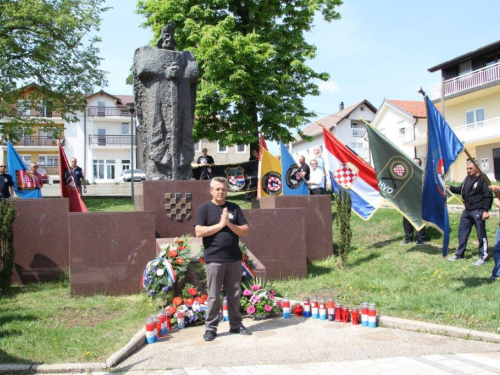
[{"x": 477, "y": 199}]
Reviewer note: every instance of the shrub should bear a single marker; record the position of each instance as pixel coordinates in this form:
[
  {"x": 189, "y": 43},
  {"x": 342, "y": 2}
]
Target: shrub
[{"x": 7, "y": 216}]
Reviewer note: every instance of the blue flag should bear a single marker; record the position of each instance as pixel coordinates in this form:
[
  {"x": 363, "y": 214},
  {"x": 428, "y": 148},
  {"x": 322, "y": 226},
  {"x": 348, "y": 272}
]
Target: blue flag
[
  {"x": 293, "y": 182},
  {"x": 443, "y": 149},
  {"x": 19, "y": 172}
]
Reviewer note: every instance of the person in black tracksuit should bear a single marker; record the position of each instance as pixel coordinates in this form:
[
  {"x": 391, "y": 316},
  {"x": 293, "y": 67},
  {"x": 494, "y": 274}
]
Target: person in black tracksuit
[{"x": 477, "y": 199}]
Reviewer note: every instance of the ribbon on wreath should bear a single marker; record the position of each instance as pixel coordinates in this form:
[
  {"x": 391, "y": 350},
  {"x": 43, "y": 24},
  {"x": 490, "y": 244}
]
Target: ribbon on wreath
[
  {"x": 247, "y": 271},
  {"x": 168, "y": 267}
]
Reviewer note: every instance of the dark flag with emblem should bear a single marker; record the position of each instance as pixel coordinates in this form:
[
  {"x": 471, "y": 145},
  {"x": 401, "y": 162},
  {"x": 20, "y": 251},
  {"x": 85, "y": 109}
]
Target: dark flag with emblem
[
  {"x": 294, "y": 183},
  {"x": 240, "y": 177},
  {"x": 399, "y": 177}
]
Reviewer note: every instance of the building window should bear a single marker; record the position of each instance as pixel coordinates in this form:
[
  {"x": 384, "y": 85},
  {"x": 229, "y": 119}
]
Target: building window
[
  {"x": 357, "y": 147},
  {"x": 485, "y": 164},
  {"x": 221, "y": 149},
  {"x": 197, "y": 147},
  {"x": 240, "y": 149},
  {"x": 125, "y": 129},
  {"x": 26, "y": 159},
  {"x": 125, "y": 164},
  {"x": 104, "y": 169},
  {"x": 48, "y": 160},
  {"x": 474, "y": 118},
  {"x": 465, "y": 68},
  {"x": 490, "y": 60}
]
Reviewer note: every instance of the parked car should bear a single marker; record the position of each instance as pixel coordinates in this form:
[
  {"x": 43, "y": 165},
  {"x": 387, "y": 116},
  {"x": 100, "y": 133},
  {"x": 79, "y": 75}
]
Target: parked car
[
  {"x": 138, "y": 175},
  {"x": 43, "y": 173}
]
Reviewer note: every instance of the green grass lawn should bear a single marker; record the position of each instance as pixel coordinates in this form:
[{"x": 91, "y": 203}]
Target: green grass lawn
[
  {"x": 407, "y": 281},
  {"x": 43, "y": 323}
]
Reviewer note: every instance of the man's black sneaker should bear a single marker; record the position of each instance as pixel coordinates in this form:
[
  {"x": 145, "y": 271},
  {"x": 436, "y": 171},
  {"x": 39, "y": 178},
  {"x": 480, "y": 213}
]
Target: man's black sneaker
[
  {"x": 209, "y": 335},
  {"x": 242, "y": 331},
  {"x": 419, "y": 242},
  {"x": 406, "y": 241}
]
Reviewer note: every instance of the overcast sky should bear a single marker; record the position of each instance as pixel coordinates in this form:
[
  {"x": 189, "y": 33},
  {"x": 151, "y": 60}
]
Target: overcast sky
[{"x": 379, "y": 49}]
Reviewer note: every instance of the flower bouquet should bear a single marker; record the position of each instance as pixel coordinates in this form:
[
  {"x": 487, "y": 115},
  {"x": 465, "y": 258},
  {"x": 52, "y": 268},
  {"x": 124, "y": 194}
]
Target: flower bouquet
[
  {"x": 178, "y": 253},
  {"x": 192, "y": 303},
  {"x": 259, "y": 301}
]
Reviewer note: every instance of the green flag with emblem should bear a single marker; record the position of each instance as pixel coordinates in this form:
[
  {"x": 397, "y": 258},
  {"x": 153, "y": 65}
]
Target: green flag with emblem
[{"x": 399, "y": 178}]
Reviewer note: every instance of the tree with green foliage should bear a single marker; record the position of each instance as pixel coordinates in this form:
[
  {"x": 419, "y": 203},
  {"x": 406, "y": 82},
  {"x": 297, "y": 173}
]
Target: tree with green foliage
[
  {"x": 252, "y": 59},
  {"x": 343, "y": 219},
  {"x": 48, "y": 43},
  {"x": 7, "y": 217}
]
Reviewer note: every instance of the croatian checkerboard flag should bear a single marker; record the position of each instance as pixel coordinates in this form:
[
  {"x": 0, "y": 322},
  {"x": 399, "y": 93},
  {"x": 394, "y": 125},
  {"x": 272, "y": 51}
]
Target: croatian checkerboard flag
[{"x": 349, "y": 171}]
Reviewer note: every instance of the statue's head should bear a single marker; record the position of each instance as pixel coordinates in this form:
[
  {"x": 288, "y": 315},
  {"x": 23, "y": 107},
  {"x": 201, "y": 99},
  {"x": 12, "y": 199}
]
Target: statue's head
[{"x": 166, "y": 40}]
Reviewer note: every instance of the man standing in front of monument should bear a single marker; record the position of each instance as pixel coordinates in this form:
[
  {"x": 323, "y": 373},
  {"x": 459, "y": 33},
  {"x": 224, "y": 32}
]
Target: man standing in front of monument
[
  {"x": 477, "y": 199},
  {"x": 220, "y": 224}
]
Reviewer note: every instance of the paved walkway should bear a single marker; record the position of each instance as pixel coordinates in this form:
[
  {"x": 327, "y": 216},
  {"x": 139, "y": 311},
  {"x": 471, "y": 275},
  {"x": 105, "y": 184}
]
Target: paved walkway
[
  {"x": 307, "y": 346},
  {"x": 434, "y": 364}
]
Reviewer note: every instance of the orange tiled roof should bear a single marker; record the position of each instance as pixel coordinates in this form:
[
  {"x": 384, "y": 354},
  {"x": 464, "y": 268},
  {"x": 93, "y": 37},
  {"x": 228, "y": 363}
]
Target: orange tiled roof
[
  {"x": 413, "y": 107},
  {"x": 125, "y": 98}
]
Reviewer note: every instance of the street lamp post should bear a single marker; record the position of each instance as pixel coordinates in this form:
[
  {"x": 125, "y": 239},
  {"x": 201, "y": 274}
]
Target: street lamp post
[{"x": 131, "y": 109}]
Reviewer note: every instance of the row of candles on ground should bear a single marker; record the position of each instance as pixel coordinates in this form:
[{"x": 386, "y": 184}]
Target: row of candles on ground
[
  {"x": 158, "y": 326},
  {"x": 329, "y": 311}
]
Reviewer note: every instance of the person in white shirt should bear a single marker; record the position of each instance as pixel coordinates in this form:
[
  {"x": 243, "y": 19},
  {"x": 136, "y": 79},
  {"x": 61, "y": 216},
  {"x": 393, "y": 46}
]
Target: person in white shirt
[{"x": 317, "y": 179}]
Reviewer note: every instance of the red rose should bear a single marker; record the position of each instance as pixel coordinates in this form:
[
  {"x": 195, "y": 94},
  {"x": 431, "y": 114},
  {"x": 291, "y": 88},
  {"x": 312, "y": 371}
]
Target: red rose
[
  {"x": 180, "y": 248},
  {"x": 179, "y": 261},
  {"x": 171, "y": 310},
  {"x": 192, "y": 291},
  {"x": 177, "y": 301},
  {"x": 199, "y": 300},
  {"x": 172, "y": 253},
  {"x": 244, "y": 258},
  {"x": 189, "y": 301},
  {"x": 204, "y": 297},
  {"x": 202, "y": 260}
]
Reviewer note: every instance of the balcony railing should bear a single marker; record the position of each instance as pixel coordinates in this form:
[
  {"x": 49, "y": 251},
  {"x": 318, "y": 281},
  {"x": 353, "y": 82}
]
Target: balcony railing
[
  {"x": 32, "y": 112},
  {"x": 412, "y": 134},
  {"x": 358, "y": 132},
  {"x": 38, "y": 141},
  {"x": 468, "y": 81},
  {"x": 51, "y": 170},
  {"x": 107, "y": 111},
  {"x": 466, "y": 133},
  {"x": 109, "y": 140},
  {"x": 478, "y": 130}
]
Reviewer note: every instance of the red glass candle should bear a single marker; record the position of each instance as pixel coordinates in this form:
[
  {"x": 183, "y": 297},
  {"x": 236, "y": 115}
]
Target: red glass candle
[
  {"x": 345, "y": 314},
  {"x": 355, "y": 316},
  {"x": 297, "y": 309},
  {"x": 338, "y": 313}
]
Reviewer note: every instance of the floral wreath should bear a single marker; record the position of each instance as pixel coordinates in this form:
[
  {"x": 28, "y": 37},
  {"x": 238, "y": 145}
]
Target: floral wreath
[{"x": 168, "y": 268}]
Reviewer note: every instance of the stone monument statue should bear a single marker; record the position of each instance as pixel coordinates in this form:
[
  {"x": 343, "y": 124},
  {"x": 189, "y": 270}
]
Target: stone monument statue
[{"x": 165, "y": 95}]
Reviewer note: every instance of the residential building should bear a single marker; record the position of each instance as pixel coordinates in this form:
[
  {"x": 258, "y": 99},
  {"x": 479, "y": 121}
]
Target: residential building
[
  {"x": 101, "y": 140},
  {"x": 404, "y": 123},
  {"x": 470, "y": 96},
  {"x": 345, "y": 124},
  {"x": 222, "y": 154},
  {"x": 41, "y": 145}
]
